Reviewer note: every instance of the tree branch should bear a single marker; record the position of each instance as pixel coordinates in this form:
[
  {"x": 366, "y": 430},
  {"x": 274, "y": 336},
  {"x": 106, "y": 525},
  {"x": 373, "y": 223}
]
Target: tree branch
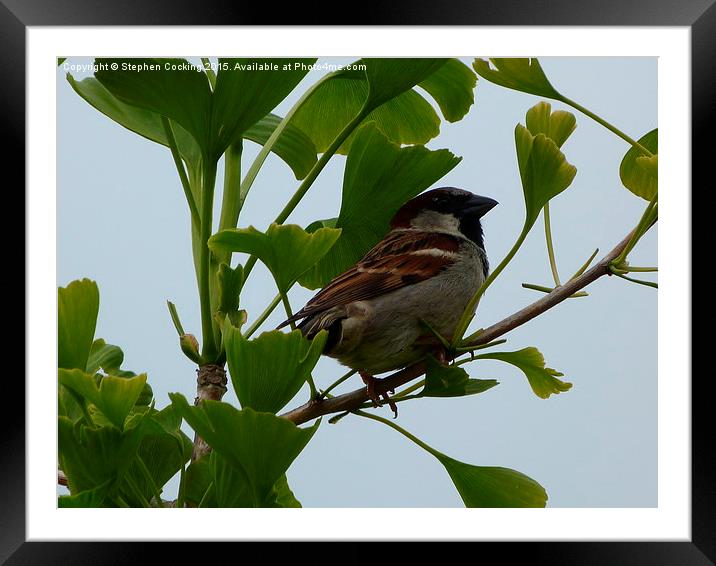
[{"x": 351, "y": 401}]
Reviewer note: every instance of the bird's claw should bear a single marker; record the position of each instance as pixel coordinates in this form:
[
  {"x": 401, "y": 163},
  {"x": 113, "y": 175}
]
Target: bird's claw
[{"x": 370, "y": 381}]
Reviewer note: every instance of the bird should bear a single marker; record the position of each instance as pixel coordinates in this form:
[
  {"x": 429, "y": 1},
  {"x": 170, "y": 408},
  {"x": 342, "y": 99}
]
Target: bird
[{"x": 386, "y": 311}]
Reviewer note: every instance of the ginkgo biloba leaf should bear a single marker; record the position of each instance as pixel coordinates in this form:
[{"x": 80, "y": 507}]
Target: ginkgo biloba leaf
[
  {"x": 261, "y": 444},
  {"x": 115, "y": 396},
  {"x": 293, "y": 146},
  {"x": 164, "y": 449},
  {"x": 77, "y": 308},
  {"x": 543, "y": 169},
  {"x": 452, "y": 87},
  {"x": 269, "y": 370},
  {"x": 638, "y": 172},
  {"x": 287, "y": 250},
  {"x": 378, "y": 179},
  {"x": 176, "y": 89},
  {"x": 90, "y": 456},
  {"x": 104, "y": 356},
  {"x": 489, "y": 486},
  {"x": 169, "y": 87},
  {"x": 543, "y": 380},
  {"x": 519, "y": 73},
  {"x": 557, "y": 125},
  {"x": 385, "y": 90},
  {"x": 230, "y": 282},
  {"x": 451, "y": 381},
  {"x": 84, "y": 499}
]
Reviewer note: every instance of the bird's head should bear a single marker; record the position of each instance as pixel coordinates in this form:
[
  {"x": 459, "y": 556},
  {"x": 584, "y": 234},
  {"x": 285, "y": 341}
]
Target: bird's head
[{"x": 446, "y": 209}]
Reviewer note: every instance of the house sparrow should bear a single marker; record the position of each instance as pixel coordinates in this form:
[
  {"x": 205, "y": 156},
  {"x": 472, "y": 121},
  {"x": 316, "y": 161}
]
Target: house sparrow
[{"x": 419, "y": 277}]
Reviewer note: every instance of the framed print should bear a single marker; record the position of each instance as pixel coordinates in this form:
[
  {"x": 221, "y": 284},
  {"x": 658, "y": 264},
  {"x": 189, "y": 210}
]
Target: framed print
[{"x": 166, "y": 163}]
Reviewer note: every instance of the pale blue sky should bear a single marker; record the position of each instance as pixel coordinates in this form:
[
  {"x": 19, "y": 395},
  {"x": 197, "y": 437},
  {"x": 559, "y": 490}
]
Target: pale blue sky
[{"x": 123, "y": 221}]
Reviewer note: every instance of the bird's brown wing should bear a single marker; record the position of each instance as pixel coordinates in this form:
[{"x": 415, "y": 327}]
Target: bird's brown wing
[{"x": 402, "y": 258}]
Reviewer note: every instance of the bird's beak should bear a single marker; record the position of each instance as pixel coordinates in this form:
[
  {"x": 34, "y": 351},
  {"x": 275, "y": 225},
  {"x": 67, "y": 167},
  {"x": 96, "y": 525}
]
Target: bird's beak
[{"x": 478, "y": 206}]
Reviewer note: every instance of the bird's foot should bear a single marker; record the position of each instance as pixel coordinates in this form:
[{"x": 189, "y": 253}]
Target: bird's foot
[{"x": 370, "y": 382}]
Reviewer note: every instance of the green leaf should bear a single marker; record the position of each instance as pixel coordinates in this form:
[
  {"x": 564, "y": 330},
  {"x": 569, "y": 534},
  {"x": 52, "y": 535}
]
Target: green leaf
[
  {"x": 104, "y": 356},
  {"x": 197, "y": 480},
  {"x": 169, "y": 87},
  {"x": 269, "y": 370},
  {"x": 379, "y": 178},
  {"x": 385, "y": 94},
  {"x": 244, "y": 94},
  {"x": 387, "y": 77},
  {"x": 293, "y": 146},
  {"x": 115, "y": 396},
  {"x": 487, "y": 486},
  {"x": 451, "y": 381},
  {"x": 523, "y": 74},
  {"x": 543, "y": 380},
  {"x": 61, "y": 60},
  {"x": 287, "y": 250},
  {"x": 77, "y": 306},
  {"x": 230, "y": 282},
  {"x": 92, "y": 456},
  {"x": 544, "y": 171},
  {"x": 283, "y": 495},
  {"x": 231, "y": 485},
  {"x": 452, "y": 87},
  {"x": 164, "y": 448},
  {"x": 261, "y": 444},
  {"x": 144, "y": 122},
  {"x": 176, "y": 89},
  {"x": 638, "y": 172},
  {"x": 557, "y": 125},
  {"x": 88, "y": 498}
]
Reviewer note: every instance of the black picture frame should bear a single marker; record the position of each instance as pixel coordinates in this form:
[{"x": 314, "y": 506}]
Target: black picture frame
[{"x": 698, "y": 15}]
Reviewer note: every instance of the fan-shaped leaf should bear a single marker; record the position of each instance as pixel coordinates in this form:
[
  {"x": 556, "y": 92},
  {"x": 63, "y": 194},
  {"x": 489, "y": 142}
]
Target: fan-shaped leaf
[
  {"x": 261, "y": 444},
  {"x": 77, "y": 308},
  {"x": 523, "y": 74},
  {"x": 451, "y": 381},
  {"x": 385, "y": 94},
  {"x": 488, "y": 486},
  {"x": 115, "y": 396},
  {"x": 543, "y": 169},
  {"x": 639, "y": 173},
  {"x": 268, "y": 371},
  {"x": 287, "y": 250},
  {"x": 543, "y": 380},
  {"x": 557, "y": 125},
  {"x": 92, "y": 456},
  {"x": 293, "y": 146}
]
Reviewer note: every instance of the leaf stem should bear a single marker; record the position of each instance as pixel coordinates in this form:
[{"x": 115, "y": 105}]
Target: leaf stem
[
  {"x": 639, "y": 281},
  {"x": 271, "y": 141},
  {"x": 336, "y": 383},
  {"x": 469, "y": 310},
  {"x": 647, "y": 220},
  {"x": 308, "y": 181},
  {"x": 231, "y": 202},
  {"x": 169, "y": 132},
  {"x": 550, "y": 246},
  {"x": 209, "y": 178},
  {"x": 263, "y": 316},
  {"x": 585, "y": 265},
  {"x": 401, "y": 430},
  {"x": 606, "y": 124}
]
